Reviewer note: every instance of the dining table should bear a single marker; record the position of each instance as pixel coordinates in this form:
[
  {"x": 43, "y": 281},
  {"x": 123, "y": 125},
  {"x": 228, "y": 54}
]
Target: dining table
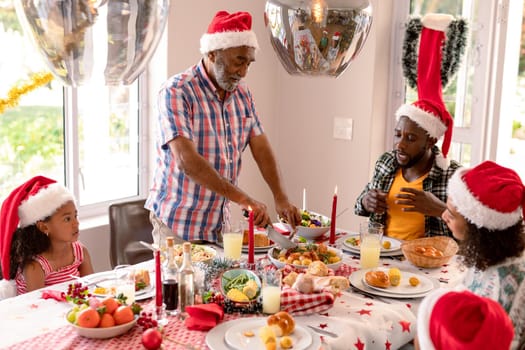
[{"x": 359, "y": 318}]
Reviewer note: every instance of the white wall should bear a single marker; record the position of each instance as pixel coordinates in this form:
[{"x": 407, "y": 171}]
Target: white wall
[{"x": 297, "y": 113}]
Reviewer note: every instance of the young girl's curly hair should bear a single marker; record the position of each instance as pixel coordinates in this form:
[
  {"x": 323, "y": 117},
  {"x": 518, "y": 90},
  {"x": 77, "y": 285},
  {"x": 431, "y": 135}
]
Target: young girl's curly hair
[
  {"x": 483, "y": 248},
  {"x": 27, "y": 242}
]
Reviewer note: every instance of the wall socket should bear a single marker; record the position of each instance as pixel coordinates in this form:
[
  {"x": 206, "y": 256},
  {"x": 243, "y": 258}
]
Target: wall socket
[{"x": 343, "y": 128}]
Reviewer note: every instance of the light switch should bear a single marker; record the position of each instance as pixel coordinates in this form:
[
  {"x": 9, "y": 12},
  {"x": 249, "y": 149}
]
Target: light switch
[{"x": 343, "y": 128}]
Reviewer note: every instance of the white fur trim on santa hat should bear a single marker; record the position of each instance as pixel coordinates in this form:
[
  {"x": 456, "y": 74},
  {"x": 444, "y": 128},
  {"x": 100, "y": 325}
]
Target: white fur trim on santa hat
[
  {"x": 475, "y": 211},
  {"x": 423, "y": 318},
  {"x": 226, "y": 40},
  {"x": 43, "y": 204},
  {"x": 437, "y": 21},
  {"x": 428, "y": 121},
  {"x": 7, "y": 289}
]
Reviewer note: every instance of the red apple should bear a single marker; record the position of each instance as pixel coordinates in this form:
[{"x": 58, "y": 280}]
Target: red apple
[{"x": 151, "y": 339}]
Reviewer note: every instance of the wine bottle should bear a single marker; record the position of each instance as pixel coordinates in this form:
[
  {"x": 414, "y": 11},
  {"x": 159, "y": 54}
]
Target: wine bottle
[
  {"x": 186, "y": 276},
  {"x": 170, "y": 285}
]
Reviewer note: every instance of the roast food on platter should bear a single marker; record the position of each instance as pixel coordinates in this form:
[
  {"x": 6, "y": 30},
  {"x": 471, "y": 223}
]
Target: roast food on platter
[
  {"x": 305, "y": 254},
  {"x": 259, "y": 239}
]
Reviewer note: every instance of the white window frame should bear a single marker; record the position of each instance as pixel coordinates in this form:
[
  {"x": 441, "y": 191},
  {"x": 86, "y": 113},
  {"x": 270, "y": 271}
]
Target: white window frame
[{"x": 493, "y": 77}]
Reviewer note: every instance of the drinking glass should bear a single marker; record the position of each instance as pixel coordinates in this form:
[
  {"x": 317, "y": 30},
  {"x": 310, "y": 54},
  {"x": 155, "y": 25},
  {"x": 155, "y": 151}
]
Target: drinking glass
[
  {"x": 271, "y": 291},
  {"x": 125, "y": 277},
  {"x": 371, "y": 234},
  {"x": 232, "y": 240}
]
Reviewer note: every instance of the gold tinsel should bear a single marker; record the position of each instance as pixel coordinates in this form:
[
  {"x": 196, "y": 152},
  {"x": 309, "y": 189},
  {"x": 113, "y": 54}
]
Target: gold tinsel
[{"x": 36, "y": 80}]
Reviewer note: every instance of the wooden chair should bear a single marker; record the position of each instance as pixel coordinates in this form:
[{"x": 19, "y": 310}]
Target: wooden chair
[{"x": 128, "y": 224}]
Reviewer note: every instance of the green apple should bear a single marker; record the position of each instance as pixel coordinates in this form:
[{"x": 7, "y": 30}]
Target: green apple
[{"x": 72, "y": 315}]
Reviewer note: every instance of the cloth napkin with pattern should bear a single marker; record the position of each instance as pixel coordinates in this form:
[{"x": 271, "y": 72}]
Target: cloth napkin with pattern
[{"x": 298, "y": 303}]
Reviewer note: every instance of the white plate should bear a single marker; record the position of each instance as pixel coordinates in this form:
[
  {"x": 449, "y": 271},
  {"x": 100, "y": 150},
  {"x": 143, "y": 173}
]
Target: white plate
[
  {"x": 235, "y": 337},
  {"x": 425, "y": 284},
  {"x": 356, "y": 279},
  {"x": 279, "y": 264},
  {"x": 215, "y": 337},
  {"x": 258, "y": 249},
  {"x": 107, "y": 279},
  {"x": 395, "y": 244}
]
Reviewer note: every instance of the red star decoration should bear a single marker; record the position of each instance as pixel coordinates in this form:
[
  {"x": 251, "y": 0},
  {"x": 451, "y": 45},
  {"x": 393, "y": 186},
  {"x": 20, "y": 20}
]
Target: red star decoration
[
  {"x": 409, "y": 305},
  {"x": 33, "y": 306},
  {"x": 386, "y": 264},
  {"x": 405, "y": 325},
  {"x": 323, "y": 325},
  {"x": 369, "y": 304},
  {"x": 364, "y": 312},
  {"x": 325, "y": 314},
  {"x": 387, "y": 345},
  {"x": 444, "y": 271},
  {"x": 359, "y": 345}
]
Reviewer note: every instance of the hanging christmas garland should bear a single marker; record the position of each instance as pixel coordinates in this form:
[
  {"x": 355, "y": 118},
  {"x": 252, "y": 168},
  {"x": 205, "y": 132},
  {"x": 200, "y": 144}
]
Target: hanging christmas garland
[
  {"x": 456, "y": 40},
  {"x": 36, "y": 80}
]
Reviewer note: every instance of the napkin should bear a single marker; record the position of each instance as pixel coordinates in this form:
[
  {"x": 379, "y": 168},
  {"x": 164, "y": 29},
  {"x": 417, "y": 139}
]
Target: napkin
[
  {"x": 54, "y": 294},
  {"x": 298, "y": 303},
  {"x": 203, "y": 317}
]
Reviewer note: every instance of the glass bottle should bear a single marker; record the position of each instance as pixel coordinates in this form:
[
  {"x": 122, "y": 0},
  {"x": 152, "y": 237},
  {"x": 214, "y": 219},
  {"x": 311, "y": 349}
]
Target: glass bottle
[
  {"x": 170, "y": 285},
  {"x": 186, "y": 276}
]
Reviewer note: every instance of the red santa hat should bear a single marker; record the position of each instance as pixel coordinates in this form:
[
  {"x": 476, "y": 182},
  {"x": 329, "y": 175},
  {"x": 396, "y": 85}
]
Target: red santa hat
[
  {"x": 488, "y": 195},
  {"x": 462, "y": 321},
  {"x": 430, "y": 112},
  {"x": 229, "y": 30},
  {"x": 35, "y": 200}
]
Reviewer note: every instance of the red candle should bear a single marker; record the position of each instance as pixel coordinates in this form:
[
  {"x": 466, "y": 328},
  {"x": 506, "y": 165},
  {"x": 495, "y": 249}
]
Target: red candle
[
  {"x": 332, "y": 220},
  {"x": 251, "y": 238},
  {"x": 158, "y": 280}
]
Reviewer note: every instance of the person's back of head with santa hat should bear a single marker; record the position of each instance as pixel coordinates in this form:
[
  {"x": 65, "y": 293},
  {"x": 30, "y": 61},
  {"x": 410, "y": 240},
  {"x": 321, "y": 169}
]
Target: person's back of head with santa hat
[
  {"x": 450, "y": 320},
  {"x": 39, "y": 230}
]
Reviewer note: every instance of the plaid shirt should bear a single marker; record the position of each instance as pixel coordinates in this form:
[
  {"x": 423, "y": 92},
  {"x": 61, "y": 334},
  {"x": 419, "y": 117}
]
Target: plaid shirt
[
  {"x": 189, "y": 106},
  {"x": 436, "y": 182}
]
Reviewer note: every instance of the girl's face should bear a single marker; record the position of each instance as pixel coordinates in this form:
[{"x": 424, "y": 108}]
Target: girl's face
[
  {"x": 455, "y": 221},
  {"x": 63, "y": 224}
]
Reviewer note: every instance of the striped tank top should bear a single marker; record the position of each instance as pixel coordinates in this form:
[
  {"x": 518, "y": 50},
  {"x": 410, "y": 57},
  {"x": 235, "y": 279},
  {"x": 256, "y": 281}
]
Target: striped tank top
[{"x": 53, "y": 277}]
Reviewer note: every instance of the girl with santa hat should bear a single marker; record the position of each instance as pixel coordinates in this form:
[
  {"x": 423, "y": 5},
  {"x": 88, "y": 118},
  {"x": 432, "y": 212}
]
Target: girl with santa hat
[
  {"x": 39, "y": 233},
  {"x": 485, "y": 210}
]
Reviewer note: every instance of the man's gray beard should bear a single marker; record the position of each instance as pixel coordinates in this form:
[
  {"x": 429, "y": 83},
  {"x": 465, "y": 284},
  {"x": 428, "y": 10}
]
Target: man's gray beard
[{"x": 219, "y": 75}]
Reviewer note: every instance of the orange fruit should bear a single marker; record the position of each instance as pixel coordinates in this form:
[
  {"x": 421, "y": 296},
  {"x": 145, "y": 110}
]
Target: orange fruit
[
  {"x": 106, "y": 321},
  {"x": 123, "y": 314},
  {"x": 88, "y": 318},
  {"x": 110, "y": 303}
]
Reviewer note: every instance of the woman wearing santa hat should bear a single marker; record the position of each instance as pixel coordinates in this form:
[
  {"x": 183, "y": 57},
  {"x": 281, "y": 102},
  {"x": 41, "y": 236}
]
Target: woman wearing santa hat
[
  {"x": 485, "y": 210},
  {"x": 39, "y": 238}
]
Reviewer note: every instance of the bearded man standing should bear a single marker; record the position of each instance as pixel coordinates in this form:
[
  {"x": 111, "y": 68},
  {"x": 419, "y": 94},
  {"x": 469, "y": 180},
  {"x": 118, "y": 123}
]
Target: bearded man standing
[{"x": 207, "y": 118}]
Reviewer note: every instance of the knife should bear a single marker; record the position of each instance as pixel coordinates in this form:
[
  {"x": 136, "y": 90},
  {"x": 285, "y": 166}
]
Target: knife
[
  {"x": 275, "y": 236},
  {"x": 322, "y": 331}
]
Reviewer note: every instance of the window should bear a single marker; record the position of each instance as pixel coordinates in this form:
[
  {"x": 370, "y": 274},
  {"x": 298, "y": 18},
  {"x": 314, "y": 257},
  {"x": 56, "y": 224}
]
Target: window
[
  {"x": 487, "y": 96},
  {"x": 87, "y": 138}
]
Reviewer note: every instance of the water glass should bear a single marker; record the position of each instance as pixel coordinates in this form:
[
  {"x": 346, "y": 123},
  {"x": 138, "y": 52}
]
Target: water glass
[
  {"x": 371, "y": 234},
  {"x": 232, "y": 241},
  {"x": 271, "y": 291},
  {"x": 125, "y": 277}
]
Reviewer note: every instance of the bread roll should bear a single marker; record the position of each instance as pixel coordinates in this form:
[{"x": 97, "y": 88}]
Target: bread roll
[
  {"x": 304, "y": 283},
  {"x": 282, "y": 323},
  {"x": 377, "y": 279},
  {"x": 317, "y": 268}
]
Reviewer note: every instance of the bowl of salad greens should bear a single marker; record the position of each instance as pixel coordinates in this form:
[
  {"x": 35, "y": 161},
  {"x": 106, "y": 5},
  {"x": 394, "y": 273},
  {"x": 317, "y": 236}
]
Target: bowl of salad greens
[
  {"x": 241, "y": 286},
  {"x": 313, "y": 225}
]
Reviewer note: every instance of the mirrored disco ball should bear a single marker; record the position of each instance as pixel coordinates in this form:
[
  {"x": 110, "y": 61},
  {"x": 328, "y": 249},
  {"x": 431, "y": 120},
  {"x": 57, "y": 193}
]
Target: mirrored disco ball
[
  {"x": 110, "y": 41},
  {"x": 317, "y": 37}
]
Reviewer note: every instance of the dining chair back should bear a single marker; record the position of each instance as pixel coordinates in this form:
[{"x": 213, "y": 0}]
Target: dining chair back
[{"x": 129, "y": 224}]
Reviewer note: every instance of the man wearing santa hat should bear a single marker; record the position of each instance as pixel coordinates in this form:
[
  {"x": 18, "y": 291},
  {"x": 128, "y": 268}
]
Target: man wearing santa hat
[
  {"x": 207, "y": 118},
  {"x": 407, "y": 192}
]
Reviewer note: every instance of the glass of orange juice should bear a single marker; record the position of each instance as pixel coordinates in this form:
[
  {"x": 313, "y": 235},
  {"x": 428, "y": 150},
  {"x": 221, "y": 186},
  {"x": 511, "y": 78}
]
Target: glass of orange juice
[
  {"x": 371, "y": 234},
  {"x": 232, "y": 241}
]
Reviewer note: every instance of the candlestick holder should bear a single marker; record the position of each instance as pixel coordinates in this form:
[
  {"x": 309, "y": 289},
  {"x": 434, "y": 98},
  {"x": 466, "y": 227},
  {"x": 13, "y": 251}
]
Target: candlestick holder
[{"x": 160, "y": 315}]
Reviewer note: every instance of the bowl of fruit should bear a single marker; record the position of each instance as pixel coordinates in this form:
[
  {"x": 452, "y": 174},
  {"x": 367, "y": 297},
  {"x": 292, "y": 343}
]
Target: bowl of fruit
[
  {"x": 101, "y": 318},
  {"x": 313, "y": 225}
]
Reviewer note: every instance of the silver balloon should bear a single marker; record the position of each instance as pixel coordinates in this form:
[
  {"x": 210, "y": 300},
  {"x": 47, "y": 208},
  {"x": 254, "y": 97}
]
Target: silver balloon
[
  {"x": 317, "y": 37},
  {"x": 94, "y": 40}
]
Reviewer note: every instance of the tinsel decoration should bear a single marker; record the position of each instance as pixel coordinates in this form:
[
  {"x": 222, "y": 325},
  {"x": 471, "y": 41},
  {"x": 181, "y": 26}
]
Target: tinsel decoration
[
  {"x": 455, "y": 43},
  {"x": 214, "y": 268},
  {"x": 36, "y": 80}
]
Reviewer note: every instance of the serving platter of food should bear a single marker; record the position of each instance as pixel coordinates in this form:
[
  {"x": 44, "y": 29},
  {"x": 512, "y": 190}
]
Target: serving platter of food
[
  {"x": 389, "y": 246},
  {"x": 105, "y": 284},
  {"x": 304, "y": 254}
]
